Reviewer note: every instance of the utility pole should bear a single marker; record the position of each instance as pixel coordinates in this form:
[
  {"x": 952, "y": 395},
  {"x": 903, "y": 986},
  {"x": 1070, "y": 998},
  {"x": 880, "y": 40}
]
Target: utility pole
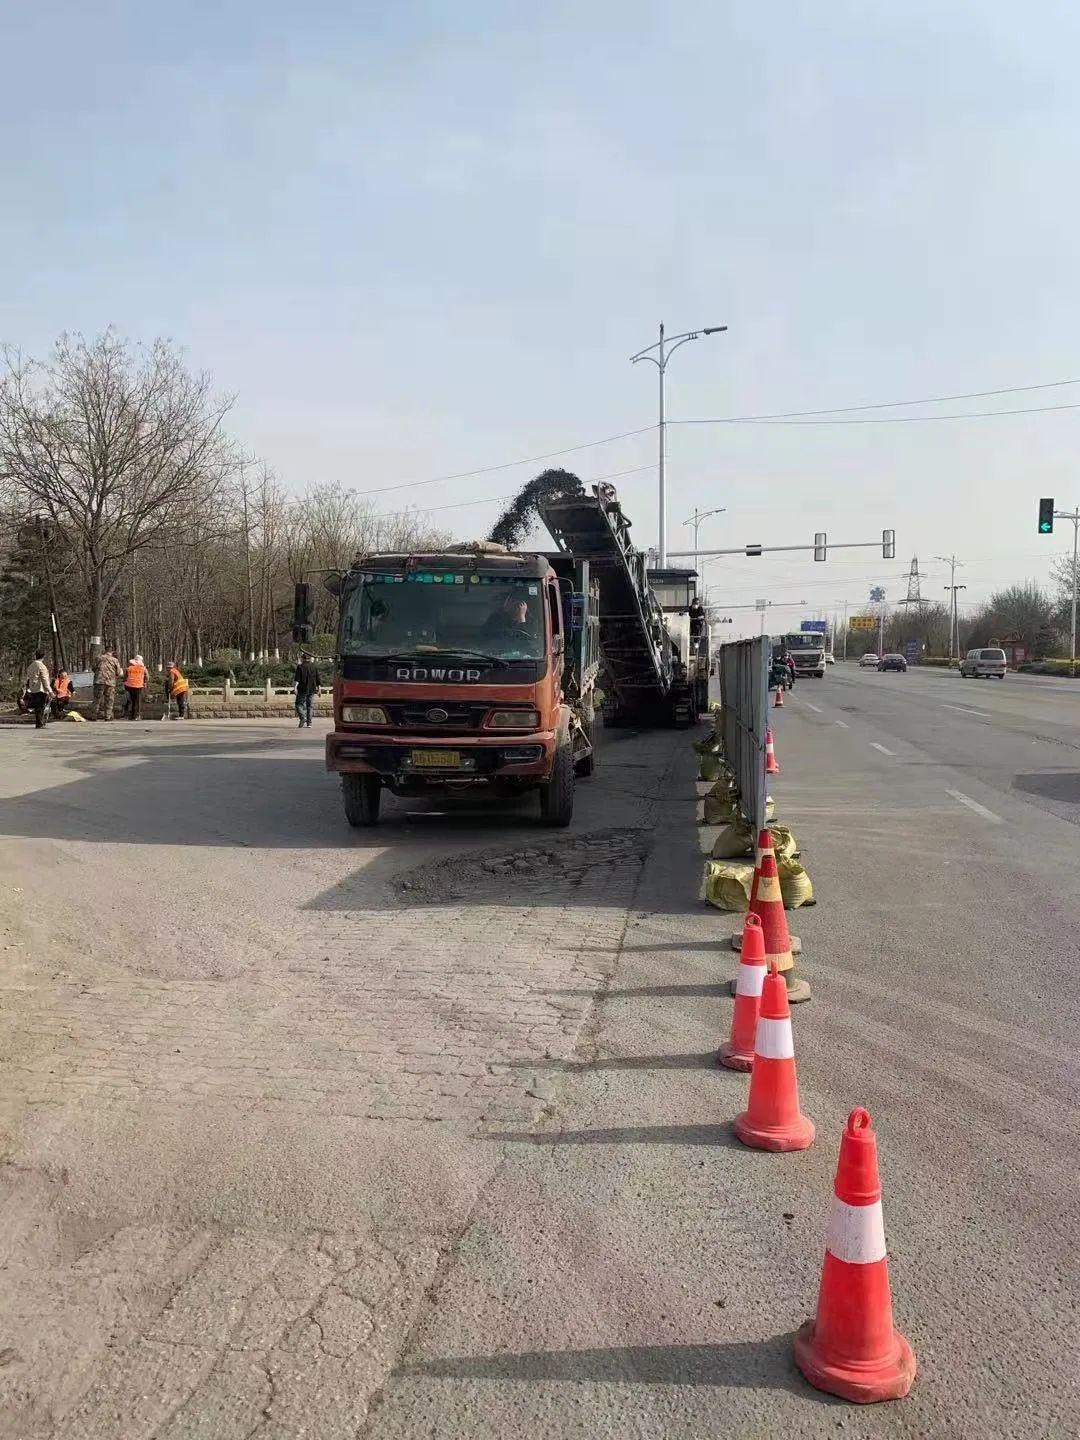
[
  {"x": 954, "y": 618},
  {"x": 695, "y": 519},
  {"x": 59, "y": 661},
  {"x": 665, "y": 348}
]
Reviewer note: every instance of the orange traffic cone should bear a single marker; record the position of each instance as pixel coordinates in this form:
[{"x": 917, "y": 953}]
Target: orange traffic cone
[
  {"x": 764, "y": 843},
  {"x": 738, "y": 1053},
  {"x": 772, "y": 765},
  {"x": 768, "y": 905},
  {"x": 778, "y": 703},
  {"x": 772, "y": 1119},
  {"x": 851, "y": 1348}
]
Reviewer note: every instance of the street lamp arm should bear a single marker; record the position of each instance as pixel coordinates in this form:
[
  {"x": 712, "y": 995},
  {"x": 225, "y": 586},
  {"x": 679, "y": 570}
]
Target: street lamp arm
[
  {"x": 681, "y": 340},
  {"x": 670, "y": 343},
  {"x": 635, "y": 358}
]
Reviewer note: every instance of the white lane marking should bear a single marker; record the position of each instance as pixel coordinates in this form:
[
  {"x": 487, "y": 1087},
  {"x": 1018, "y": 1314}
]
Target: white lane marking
[
  {"x": 816, "y": 708},
  {"x": 967, "y": 710},
  {"x": 856, "y": 1233},
  {"x": 974, "y": 805},
  {"x": 841, "y": 723},
  {"x": 875, "y": 746}
]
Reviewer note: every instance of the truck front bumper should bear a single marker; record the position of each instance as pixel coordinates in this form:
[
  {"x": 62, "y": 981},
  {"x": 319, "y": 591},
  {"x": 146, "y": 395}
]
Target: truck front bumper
[{"x": 400, "y": 759}]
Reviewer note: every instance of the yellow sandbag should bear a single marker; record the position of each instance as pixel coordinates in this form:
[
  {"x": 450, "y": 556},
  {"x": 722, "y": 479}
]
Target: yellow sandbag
[
  {"x": 728, "y": 882},
  {"x": 795, "y": 887},
  {"x": 709, "y": 746},
  {"x": 770, "y": 808},
  {"x": 74, "y": 715},
  {"x": 708, "y": 767},
  {"x": 733, "y": 840},
  {"x": 720, "y": 808},
  {"x": 783, "y": 841}
]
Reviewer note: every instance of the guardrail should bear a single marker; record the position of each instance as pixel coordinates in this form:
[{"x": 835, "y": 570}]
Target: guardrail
[
  {"x": 744, "y": 697},
  {"x": 226, "y": 691}
]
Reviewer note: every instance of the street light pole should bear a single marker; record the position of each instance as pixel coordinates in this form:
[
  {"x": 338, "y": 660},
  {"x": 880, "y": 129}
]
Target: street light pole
[
  {"x": 695, "y": 519},
  {"x": 665, "y": 349},
  {"x": 954, "y": 618}
]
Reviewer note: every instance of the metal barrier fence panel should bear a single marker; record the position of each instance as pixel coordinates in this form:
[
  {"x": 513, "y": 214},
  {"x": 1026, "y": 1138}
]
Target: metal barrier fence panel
[{"x": 744, "y": 695}]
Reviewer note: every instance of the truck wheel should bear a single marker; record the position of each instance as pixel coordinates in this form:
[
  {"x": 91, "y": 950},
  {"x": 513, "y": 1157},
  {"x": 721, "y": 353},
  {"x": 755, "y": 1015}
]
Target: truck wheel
[
  {"x": 557, "y": 796},
  {"x": 362, "y": 795}
]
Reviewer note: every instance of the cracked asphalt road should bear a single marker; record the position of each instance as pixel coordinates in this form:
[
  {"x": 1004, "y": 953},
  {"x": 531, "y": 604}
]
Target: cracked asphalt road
[{"x": 250, "y": 1059}]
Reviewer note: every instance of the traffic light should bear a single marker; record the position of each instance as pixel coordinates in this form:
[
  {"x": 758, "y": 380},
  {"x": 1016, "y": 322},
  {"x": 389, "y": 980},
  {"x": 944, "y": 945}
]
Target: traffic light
[
  {"x": 888, "y": 544},
  {"x": 819, "y": 545},
  {"x": 1046, "y": 517},
  {"x": 302, "y": 627}
]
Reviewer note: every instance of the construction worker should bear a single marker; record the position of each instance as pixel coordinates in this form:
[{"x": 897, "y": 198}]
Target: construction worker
[
  {"x": 37, "y": 688},
  {"x": 178, "y": 688},
  {"x": 108, "y": 672},
  {"x": 135, "y": 678},
  {"x": 62, "y": 693}
]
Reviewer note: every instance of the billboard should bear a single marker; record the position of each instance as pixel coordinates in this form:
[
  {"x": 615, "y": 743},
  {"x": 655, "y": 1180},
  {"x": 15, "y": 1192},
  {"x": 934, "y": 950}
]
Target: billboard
[
  {"x": 863, "y": 622},
  {"x": 818, "y": 627}
]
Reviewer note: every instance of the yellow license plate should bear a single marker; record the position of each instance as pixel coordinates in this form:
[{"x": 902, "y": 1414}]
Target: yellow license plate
[{"x": 437, "y": 759}]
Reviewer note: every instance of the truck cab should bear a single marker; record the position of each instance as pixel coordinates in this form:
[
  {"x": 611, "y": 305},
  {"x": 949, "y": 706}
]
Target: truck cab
[{"x": 469, "y": 669}]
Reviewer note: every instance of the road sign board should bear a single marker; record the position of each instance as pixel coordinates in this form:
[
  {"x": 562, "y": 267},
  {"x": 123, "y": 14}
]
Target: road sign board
[
  {"x": 819, "y": 627},
  {"x": 911, "y": 649},
  {"x": 862, "y": 622}
]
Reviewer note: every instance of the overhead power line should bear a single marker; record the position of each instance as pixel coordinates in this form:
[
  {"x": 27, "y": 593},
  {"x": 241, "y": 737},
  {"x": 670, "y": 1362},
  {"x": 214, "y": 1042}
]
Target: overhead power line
[
  {"x": 884, "y": 404},
  {"x": 788, "y": 417},
  {"x": 508, "y": 464},
  {"x": 509, "y": 494},
  {"x": 885, "y": 419}
]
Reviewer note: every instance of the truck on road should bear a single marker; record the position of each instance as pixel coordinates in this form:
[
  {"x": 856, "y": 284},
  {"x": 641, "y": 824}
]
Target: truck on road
[
  {"x": 807, "y": 649},
  {"x": 476, "y": 668}
]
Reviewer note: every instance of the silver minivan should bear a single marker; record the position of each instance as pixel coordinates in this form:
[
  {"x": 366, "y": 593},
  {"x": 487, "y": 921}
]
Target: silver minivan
[{"x": 983, "y": 664}]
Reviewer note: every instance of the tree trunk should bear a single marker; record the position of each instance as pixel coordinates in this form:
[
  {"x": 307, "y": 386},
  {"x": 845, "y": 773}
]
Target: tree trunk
[{"x": 97, "y": 616}]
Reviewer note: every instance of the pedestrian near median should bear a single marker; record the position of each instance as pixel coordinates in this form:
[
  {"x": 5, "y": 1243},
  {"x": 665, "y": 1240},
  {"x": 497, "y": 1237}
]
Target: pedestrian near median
[
  {"x": 38, "y": 688},
  {"x": 135, "y": 683},
  {"x": 307, "y": 682}
]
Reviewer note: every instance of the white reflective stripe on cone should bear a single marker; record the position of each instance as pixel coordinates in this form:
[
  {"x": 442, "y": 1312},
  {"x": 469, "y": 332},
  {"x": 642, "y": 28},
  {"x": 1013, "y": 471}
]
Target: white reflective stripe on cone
[
  {"x": 749, "y": 979},
  {"x": 856, "y": 1233},
  {"x": 773, "y": 1041}
]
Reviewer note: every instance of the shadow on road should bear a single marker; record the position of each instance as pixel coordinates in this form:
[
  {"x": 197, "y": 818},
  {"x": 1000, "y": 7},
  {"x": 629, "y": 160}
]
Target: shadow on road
[
  {"x": 704, "y": 1061},
  {"x": 739, "y": 1364},
  {"x": 711, "y": 1135}
]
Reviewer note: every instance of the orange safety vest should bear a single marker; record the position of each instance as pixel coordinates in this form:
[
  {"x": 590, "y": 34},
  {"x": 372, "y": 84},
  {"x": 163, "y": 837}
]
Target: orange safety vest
[
  {"x": 177, "y": 684},
  {"x": 135, "y": 679},
  {"x": 62, "y": 687}
]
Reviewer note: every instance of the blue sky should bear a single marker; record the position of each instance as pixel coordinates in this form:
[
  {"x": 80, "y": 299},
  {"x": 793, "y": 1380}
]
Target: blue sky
[{"x": 421, "y": 238}]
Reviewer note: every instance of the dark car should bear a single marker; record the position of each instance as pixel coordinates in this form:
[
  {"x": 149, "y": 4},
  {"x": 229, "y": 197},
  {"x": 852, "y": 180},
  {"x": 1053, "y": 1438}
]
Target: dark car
[{"x": 892, "y": 662}]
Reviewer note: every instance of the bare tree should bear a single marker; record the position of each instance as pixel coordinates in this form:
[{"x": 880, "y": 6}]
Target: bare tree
[{"x": 111, "y": 441}]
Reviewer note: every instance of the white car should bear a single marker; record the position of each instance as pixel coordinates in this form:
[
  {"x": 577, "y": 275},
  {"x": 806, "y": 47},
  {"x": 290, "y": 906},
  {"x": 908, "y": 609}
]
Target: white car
[{"x": 868, "y": 662}]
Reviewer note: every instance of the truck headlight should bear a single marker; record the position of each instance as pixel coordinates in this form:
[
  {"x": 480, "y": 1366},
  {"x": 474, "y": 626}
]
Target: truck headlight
[
  {"x": 364, "y": 715},
  {"x": 512, "y": 720}
]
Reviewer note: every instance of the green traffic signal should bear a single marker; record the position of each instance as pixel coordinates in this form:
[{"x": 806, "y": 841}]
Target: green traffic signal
[
  {"x": 1045, "y": 527},
  {"x": 1046, "y": 516}
]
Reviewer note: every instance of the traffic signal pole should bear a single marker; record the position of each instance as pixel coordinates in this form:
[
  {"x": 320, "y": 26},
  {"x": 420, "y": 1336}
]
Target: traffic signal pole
[{"x": 1047, "y": 516}]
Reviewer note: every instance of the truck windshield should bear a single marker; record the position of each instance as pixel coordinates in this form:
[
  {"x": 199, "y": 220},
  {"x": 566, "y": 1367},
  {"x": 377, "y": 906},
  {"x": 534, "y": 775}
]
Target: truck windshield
[{"x": 427, "y": 612}]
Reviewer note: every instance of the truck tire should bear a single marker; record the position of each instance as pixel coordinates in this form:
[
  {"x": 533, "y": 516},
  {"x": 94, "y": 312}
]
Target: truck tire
[
  {"x": 557, "y": 796},
  {"x": 362, "y": 795}
]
